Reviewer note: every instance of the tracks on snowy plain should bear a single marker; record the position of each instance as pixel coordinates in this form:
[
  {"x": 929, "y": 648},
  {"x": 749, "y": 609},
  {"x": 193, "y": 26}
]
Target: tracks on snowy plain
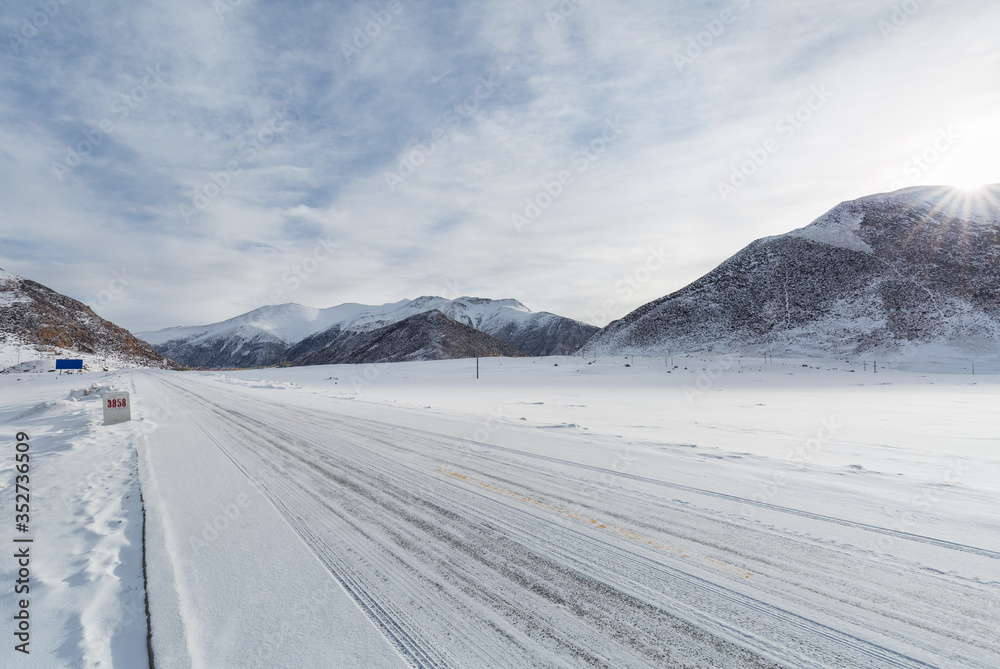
[{"x": 481, "y": 569}]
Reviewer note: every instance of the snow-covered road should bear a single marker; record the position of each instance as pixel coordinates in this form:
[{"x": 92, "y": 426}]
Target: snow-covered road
[{"x": 291, "y": 534}]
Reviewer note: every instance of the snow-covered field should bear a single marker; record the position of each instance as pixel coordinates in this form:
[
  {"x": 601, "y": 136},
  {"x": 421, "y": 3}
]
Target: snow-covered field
[
  {"x": 84, "y": 581},
  {"x": 555, "y": 512}
]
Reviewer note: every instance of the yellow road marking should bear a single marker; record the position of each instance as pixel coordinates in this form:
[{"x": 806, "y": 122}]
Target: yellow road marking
[{"x": 629, "y": 534}]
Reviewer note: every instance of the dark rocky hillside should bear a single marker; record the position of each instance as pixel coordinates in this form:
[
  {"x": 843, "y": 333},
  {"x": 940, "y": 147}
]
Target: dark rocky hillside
[
  {"x": 34, "y": 314},
  {"x": 272, "y": 334},
  {"x": 427, "y": 336},
  {"x": 915, "y": 267}
]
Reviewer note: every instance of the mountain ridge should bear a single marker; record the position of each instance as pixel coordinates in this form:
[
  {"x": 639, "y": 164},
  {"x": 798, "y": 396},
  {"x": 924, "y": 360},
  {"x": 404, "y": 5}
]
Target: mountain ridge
[
  {"x": 886, "y": 272},
  {"x": 429, "y": 335},
  {"x": 267, "y": 334}
]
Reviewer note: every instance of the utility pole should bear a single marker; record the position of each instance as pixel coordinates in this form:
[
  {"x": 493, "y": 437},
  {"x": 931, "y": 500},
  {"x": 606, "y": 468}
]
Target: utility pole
[{"x": 477, "y": 366}]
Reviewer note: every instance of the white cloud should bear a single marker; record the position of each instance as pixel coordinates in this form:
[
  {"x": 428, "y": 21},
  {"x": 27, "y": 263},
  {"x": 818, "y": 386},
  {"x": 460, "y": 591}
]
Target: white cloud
[{"x": 557, "y": 82}]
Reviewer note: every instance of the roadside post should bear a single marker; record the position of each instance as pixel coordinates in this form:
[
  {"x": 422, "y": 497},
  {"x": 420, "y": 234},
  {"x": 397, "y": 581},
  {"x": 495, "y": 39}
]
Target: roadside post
[{"x": 117, "y": 408}]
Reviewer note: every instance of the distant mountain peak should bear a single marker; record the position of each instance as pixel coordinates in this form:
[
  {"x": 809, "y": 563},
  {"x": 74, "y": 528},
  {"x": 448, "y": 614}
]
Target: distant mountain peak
[
  {"x": 508, "y": 302},
  {"x": 274, "y": 333},
  {"x": 428, "y": 335}
]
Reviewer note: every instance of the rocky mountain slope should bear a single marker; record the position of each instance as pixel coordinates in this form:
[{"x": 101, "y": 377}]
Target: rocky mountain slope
[
  {"x": 33, "y": 315},
  {"x": 267, "y": 335},
  {"x": 888, "y": 272},
  {"x": 534, "y": 333},
  {"x": 429, "y": 335}
]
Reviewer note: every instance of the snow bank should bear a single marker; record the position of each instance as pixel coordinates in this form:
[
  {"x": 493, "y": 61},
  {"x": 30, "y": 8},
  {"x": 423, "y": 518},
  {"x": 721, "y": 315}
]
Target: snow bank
[{"x": 86, "y": 590}]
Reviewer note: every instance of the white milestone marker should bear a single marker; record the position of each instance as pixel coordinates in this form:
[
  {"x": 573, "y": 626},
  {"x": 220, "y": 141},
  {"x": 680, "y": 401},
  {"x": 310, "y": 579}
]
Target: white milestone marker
[{"x": 117, "y": 408}]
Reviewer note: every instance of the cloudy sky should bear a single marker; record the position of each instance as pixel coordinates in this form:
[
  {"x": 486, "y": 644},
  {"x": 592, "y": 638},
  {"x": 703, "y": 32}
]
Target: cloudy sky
[{"x": 178, "y": 163}]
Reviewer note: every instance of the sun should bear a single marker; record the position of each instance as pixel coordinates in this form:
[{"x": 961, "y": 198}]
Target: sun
[
  {"x": 967, "y": 162},
  {"x": 968, "y": 177},
  {"x": 970, "y": 186}
]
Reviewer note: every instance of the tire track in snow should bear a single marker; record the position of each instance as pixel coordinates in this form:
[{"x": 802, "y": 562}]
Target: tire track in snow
[
  {"x": 494, "y": 574},
  {"x": 983, "y": 552},
  {"x": 308, "y": 452}
]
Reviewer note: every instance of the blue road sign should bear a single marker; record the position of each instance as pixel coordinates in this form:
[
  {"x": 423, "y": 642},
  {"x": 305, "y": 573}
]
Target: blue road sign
[{"x": 69, "y": 364}]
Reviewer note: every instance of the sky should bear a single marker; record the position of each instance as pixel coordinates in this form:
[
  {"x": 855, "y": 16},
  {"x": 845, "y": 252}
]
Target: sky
[{"x": 182, "y": 163}]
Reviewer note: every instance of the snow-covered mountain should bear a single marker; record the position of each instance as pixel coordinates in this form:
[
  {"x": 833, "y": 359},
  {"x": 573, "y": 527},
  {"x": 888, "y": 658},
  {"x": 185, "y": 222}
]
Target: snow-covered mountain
[
  {"x": 429, "y": 335},
  {"x": 259, "y": 337},
  {"x": 266, "y": 335},
  {"x": 885, "y": 273},
  {"x": 32, "y": 315}
]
